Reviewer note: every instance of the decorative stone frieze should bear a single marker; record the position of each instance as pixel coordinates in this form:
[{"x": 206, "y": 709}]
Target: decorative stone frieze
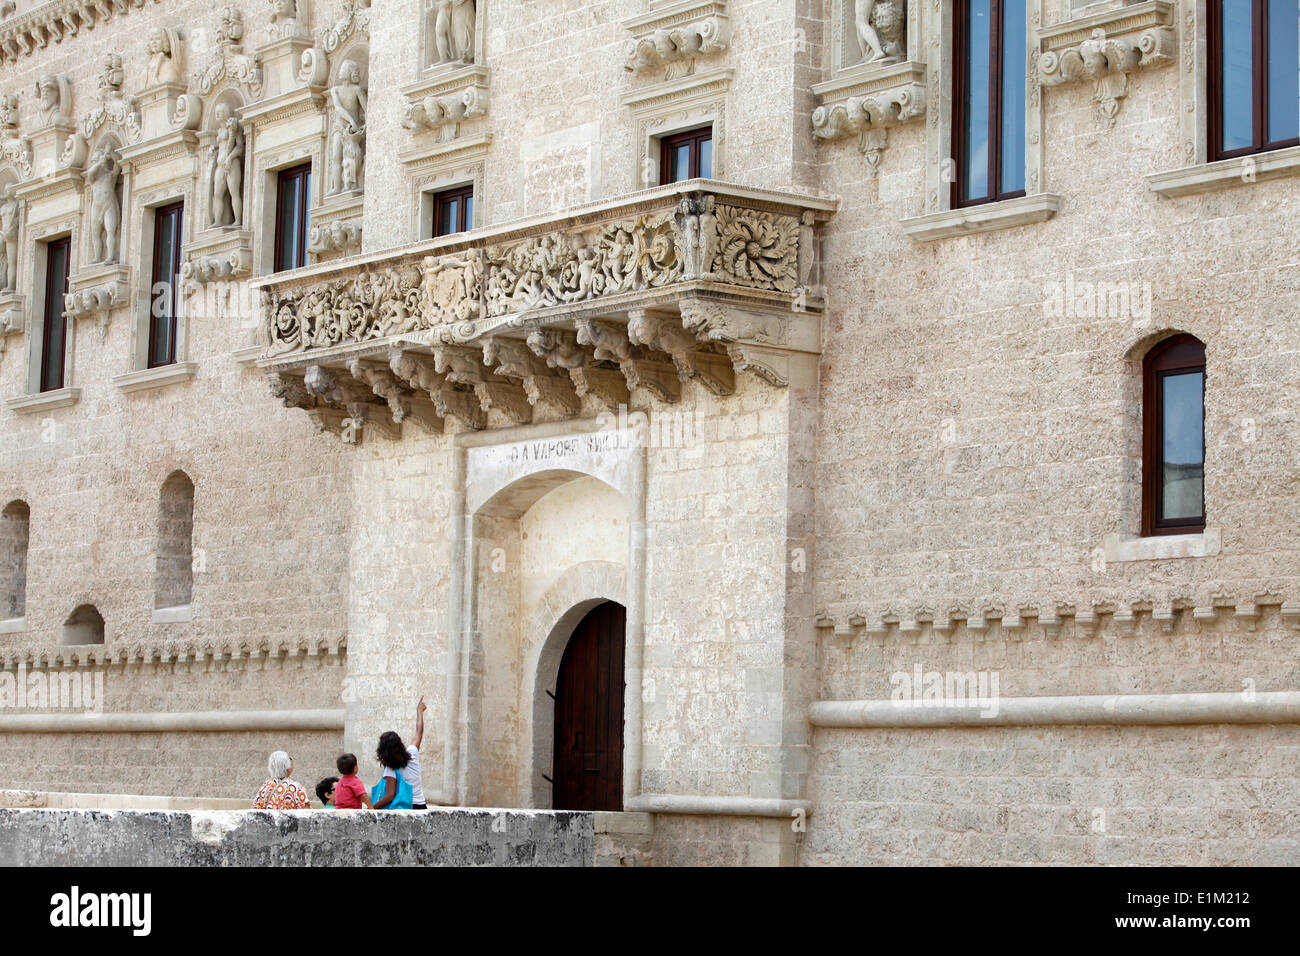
[
  {"x": 116, "y": 112},
  {"x": 1058, "y": 618},
  {"x": 216, "y": 654},
  {"x": 652, "y": 291},
  {"x": 673, "y": 36},
  {"x": 55, "y": 21},
  {"x": 202, "y": 269},
  {"x": 868, "y": 101},
  {"x": 1105, "y": 48}
]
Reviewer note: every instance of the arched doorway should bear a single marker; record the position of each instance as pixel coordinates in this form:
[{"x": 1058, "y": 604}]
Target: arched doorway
[{"x": 588, "y": 754}]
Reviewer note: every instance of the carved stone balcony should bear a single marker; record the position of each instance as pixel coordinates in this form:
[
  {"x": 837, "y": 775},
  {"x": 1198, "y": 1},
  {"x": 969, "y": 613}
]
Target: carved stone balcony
[{"x": 695, "y": 281}]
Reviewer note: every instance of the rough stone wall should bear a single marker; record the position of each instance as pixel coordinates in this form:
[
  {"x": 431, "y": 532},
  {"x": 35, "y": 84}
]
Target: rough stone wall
[
  {"x": 14, "y": 523},
  {"x": 974, "y": 451},
  {"x": 271, "y": 508},
  {"x": 295, "y": 838}
]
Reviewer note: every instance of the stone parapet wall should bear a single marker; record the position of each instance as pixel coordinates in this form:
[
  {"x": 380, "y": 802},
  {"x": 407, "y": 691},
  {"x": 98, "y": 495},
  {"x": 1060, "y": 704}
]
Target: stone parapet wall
[{"x": 296, "y": 838}]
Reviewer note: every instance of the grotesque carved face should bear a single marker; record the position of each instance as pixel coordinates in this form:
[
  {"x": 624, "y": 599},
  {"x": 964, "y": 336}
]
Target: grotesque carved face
[
  {"x": 49, "y": 92},
  {"x": 351, "y": 72}
]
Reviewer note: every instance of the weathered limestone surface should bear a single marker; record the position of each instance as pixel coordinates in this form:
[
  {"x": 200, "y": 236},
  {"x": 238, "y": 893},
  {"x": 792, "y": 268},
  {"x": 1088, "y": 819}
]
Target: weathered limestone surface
[{"x": 295, "y": 838}]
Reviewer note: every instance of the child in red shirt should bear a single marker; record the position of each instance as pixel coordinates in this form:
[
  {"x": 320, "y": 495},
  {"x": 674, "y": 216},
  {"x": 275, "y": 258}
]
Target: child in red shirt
[{"x": 350, "y": 793}]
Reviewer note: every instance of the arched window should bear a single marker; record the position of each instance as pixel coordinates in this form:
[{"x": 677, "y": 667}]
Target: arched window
[
  {"x": 14, "y": 523},
  {"x": 84, "y": 626},
  {"x": 1173, "y": 447},
  {"x": 174, "y": 580}
]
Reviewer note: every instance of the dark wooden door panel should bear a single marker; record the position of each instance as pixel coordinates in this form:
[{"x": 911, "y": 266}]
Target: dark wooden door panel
[{"x": 589, "y": 714}]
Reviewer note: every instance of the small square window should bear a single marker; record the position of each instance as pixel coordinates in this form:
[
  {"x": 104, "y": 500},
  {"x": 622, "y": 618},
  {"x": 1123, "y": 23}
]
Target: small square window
[
  {"x": 453, "y": 211},
  {"x": 687, "y": 155}
]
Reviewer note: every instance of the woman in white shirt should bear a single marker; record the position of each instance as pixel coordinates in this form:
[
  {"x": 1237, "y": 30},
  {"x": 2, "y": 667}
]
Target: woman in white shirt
[{"x": 395, "y": 757}]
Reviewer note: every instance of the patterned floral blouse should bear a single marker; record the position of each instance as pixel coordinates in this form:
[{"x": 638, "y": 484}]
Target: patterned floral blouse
[{"x": 281, "y": 795}]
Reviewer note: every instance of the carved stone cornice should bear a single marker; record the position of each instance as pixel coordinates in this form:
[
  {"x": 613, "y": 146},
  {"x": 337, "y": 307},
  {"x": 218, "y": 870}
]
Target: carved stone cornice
[
  {"x": 690, "y": 282},
  {"x": 1105, "y": 48},
  {"x": 56, "y": 21},
  {"x": 96, "y": 292},
  {"x": 866, "y": 100},
  {"x": 673, "y": 36},
  {"x": 441, "y": 103}
]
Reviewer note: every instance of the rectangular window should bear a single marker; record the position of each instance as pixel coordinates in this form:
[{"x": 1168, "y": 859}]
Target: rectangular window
[
  {"x": 686, "y": 155},
  {"x": 293, "y": 196},
  {"x": 989, "y": 101},
  {"x": 1254, "y": 71},
  {"x": 453, "y": 211},
  {"x": 166, "y": 273},
  {"x": 54, "y": 340}
]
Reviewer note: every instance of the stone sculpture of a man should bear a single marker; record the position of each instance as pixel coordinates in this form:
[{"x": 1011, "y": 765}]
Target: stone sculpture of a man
[
  {"x": 54, "y": 96},
  {"x": 9, "y": 233},
  {"x": 347, "y": 141},
  {"x": 880, "y": 27},
  {"x": 227, "y": 169},
  {"x": 105, "y": 211},
  {"x": 453, "y": 30}
]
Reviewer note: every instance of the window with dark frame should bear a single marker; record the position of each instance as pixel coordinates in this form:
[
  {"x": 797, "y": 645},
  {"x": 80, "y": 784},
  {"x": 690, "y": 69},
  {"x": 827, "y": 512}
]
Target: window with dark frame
[
  {"x": 293, "y": 196},
  {"x": 989, "y": 101},
  {"x": 166, "y": 272},
  {"x": 1254, "y": 62},
  {"x": 453, "y": 211},
  {"x": 687, "y": 155},
  {"x": 54, "y": 337},
  {"x": 1173, "y": 446}
]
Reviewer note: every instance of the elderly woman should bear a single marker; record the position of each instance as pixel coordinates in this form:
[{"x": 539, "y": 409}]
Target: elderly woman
[{"x": 280, "y": 792}]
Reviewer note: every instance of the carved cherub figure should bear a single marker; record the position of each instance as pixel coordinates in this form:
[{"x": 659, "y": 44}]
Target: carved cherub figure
[
  {"x": 163, "y": 55},
  {"x": 880, "y": 28},
  {"x": 347, "y": 141},
  {"x": 105, "y": 211},
  {"x": 227, "y": 169}
]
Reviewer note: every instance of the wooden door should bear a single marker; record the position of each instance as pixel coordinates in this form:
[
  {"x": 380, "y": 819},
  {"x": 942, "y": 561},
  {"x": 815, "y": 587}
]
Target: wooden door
[{"x": 589, "y": 714}]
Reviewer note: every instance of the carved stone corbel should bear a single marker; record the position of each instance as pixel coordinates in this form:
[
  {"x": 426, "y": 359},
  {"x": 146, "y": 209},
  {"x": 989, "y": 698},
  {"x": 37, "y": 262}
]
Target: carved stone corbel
[
  {"x": 464, "y": 366},
  {"x": 341, "y": 235},
  {"x": 561, "y": 350},
  {"x": 334, "y": 389},
  {"x": 368, "y": 417},
  {"x": 675, "y": 38},
  {"x": 1120, "y": 41},
  {"x": 291, "y": 390},
  {"x": 610, "y": 343},
  {"x": 661, "y": 330},
  {"x": 514, "y": 359},
  {"x": 869, "y": 114},
  {"x": 440, "y": 114},
  {"x": 421, "y": 373},
  {"x": 402, "y": 402}
]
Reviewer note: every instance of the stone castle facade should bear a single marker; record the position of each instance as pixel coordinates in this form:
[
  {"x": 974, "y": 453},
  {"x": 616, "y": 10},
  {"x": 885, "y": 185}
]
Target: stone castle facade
[{"x": 446, "y": 357}]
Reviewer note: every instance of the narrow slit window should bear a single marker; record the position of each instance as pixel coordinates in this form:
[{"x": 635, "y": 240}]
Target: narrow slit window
[
  {"x": 54, "y": 337},
  {"x": 989, "y": 101},
  {"x": 1174, "y": 440},
  {"x": 166, "y": 273},
  {"x": 293, "y": 196}
]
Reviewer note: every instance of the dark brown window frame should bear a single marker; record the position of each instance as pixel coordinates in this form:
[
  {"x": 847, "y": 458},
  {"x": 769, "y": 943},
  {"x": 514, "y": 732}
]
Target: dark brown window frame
[
  {"x": 961, "y": 17},
  {"x": 1259, "y": 84},
  {"x": 168, "y": 273},
  {"x": 297, "y": 178},
  {"x": 54, "y": 313},
  {"x": 691, "y": 137},
  {"x": 1178, "y": 354},
  {"x": 441, "y": 198}
]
